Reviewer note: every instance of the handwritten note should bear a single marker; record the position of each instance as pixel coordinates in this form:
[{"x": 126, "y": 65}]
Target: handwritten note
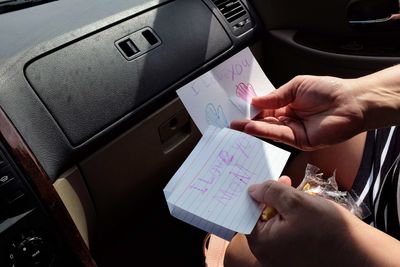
[
  {"x": 209, "y": 190},
  {"x": 224, "y": 93}
]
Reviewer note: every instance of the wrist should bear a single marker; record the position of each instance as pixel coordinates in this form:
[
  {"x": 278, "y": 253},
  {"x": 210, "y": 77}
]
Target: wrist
[
  {"x": 378, "y": 97},
  {"x": 373, "y": 247}
]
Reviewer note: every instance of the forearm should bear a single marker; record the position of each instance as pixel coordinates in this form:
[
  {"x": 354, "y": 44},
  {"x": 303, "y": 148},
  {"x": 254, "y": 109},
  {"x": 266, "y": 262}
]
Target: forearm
[
  {"x": 379, "y": 97},
  {"x": 377, "y": 248}
]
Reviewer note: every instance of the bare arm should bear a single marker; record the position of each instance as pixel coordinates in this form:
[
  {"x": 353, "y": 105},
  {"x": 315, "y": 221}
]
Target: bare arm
[
  {"x": 379, "y": 96},
  {"x": 311, "y": 112}
]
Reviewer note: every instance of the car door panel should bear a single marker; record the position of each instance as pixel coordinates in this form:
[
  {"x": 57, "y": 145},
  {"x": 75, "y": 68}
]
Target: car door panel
[{"x": 314, "y": 37}]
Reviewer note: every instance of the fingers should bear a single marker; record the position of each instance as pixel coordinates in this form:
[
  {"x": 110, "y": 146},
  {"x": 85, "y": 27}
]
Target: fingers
[
  {"x": 280, "y": 196},
  {"x": 269, "y": 212},
  {"x": 276, "y": 131},
  {"x": 275, "y": 113},
  {"x": 283, "y": 129},
  {"x": 285, "y": 180},
  {"x": 239, "y": 124},
  {"x": 281, "y": 97}
]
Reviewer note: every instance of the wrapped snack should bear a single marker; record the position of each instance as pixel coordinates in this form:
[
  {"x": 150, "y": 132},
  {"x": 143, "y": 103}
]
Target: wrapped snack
[
  {"x": 268, "y": 213},
  {"x": 314, "y": 184}
]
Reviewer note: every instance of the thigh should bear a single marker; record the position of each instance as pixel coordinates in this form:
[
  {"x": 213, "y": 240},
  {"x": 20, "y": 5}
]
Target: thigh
[
  {"x": 238, "y": 253},
  {"x": 345, "y": 158}
]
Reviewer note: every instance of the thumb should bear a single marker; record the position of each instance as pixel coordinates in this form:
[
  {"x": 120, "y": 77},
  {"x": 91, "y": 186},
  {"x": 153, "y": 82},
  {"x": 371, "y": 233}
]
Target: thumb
[
  {"x": 285, "y": 180},
  {"x": 278, "y": 98},
  {"x": 285, "y": 199}
]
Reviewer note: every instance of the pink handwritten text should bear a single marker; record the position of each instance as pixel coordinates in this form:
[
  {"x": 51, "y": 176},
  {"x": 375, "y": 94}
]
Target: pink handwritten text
[
  {"x": 226, "y": 165},
  {"x": 203, "y": 183},
  {"x": 234, "y": 71}
]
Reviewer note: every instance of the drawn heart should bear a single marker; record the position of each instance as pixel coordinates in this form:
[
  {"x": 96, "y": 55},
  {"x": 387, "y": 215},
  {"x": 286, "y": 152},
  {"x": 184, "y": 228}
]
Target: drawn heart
[
  {"x": 216, "y": 116},
  {"x": 245, "y": 92}
]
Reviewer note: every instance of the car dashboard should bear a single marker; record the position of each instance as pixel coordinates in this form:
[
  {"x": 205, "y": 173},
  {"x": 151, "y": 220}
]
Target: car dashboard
[{"x": 92, "y": 129}]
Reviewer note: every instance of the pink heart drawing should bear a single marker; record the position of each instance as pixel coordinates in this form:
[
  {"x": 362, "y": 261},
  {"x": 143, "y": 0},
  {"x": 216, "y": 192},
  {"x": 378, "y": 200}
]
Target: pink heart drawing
[{"x": 245, "y": 92}]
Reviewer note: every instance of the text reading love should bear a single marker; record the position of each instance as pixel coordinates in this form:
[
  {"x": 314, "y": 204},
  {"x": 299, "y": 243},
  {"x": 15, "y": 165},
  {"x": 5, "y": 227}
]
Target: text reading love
[{"x": 226, "y": 163}]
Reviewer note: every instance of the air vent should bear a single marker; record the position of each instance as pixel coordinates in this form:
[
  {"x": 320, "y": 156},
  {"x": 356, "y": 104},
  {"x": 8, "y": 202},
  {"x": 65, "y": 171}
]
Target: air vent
[
  {"x": 231, "y": 9},
  {"x": 235, "y": 14}
]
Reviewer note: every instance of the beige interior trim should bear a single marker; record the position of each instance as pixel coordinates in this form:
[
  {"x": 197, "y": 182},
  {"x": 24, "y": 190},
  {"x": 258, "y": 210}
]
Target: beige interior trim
[
  {"x": 126, "y": 178},
  {"x": 74, "y": 194}
]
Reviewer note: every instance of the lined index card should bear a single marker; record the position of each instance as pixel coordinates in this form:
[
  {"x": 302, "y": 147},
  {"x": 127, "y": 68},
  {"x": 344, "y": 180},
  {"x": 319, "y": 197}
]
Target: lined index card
[{"x": 209, "y": 190}]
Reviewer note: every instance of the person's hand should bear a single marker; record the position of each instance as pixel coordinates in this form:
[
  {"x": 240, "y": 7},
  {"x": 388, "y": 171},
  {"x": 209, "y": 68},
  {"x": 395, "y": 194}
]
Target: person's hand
[
  {"x": 309, "y": 112},
  {"x": 238, "y": 253},
  {"x": 312, "y": 231},
  {"x": 307, "y": 231}
]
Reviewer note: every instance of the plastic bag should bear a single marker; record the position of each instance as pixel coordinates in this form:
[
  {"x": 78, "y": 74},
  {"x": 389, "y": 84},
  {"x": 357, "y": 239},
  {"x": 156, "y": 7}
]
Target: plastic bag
[{"x": 314, "y": 184}]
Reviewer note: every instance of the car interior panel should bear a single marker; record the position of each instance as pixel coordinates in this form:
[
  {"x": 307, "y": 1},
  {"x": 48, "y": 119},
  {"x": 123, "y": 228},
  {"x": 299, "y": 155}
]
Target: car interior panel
[{"x": 92, "y": 129}]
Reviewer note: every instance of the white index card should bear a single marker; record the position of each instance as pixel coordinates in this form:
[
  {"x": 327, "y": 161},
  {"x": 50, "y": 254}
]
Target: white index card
[
  {"x": 209, "y": 190},
  {"x": 224, "y": 93}
]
